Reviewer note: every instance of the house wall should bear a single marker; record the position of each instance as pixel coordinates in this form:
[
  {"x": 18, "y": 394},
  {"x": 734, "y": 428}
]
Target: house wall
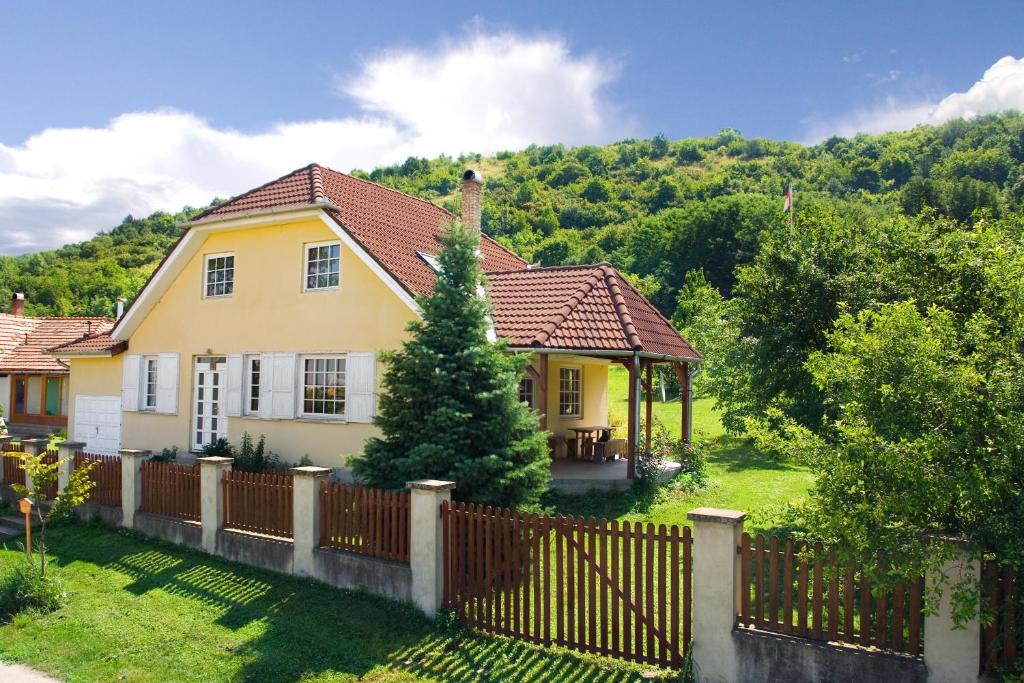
[
  {"x": 595, "y": 394},
  {"x": 267, "y": 312},
  {"x": 5, "y": 397}
]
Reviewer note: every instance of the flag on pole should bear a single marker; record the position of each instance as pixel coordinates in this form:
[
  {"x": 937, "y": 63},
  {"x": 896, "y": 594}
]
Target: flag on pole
[{"x": 787, "y": 204}]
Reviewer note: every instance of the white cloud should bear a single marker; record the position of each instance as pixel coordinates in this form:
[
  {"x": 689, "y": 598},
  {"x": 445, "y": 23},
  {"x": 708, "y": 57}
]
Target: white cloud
[
  {"x": 1000, "y": 87},
  {"x": 483, "y": 93}
]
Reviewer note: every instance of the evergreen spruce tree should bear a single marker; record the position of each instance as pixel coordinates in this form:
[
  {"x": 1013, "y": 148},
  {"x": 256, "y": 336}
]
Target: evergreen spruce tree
[{"x": 450, "y": 408}]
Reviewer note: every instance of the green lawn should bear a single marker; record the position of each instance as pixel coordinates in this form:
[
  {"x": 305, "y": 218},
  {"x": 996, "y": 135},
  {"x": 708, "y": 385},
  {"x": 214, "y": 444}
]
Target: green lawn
[
  {"x": 142, "y": 610},
  {"x": 741, "y": 478}
]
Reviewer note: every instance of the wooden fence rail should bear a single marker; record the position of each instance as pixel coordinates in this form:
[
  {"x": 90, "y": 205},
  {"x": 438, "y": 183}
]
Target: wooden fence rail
[
  {"x": 260, "y": 503},
  {"x": 368, "y": 521},
  {"x": 13, "y": 472},
  {"x": 105, "y": 475},
  {"x": 51, "y": 457},
  {"x": 618, "y": 589},
  {"x": 170, "y": 489},
  {"x": 800, "y": 589},
  {"x": 1001, "y": 637}
]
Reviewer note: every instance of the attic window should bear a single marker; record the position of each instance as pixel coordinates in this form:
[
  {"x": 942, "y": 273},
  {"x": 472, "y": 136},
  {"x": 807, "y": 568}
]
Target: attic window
[{"x": 430, "y": 261}]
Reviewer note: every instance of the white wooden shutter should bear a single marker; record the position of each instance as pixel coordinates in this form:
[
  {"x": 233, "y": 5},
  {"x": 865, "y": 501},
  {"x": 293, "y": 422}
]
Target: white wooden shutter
[
  {"x": 131, "y": 368},
  {"x": 235, "y": 383},
  {"x": 266, "y": 385},
  {"x": 167, "y": 383},
  {"x": 360, "y": 386},
  {"x": 284, "y": 381}
]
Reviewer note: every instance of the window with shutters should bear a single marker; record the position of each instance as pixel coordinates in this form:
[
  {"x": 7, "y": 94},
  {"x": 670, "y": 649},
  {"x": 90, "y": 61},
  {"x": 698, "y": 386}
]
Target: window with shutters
[
  {"x": 569, "y": 391},
  {"x": 150, "y": 367},
  {"x": 251, "y": 397},
  {"x": 323, "y": 266},
  {"x": 323, "y": 386},
  {"x": 220, "y": 275}
]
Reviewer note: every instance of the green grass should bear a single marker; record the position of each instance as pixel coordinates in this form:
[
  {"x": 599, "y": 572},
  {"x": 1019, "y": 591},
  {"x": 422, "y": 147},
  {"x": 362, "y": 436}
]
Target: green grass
[
  {"x": 741, "y": 478},
  {"x": 143, "y": 610}
]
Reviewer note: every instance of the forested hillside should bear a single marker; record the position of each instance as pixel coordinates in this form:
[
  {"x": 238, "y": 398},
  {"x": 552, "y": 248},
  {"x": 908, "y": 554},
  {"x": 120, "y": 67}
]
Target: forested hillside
[{"x": 878, "y": 338}]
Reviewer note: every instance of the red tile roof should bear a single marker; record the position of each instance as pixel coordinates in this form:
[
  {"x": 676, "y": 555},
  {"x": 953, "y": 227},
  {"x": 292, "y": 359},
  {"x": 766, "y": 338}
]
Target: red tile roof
[
  {"x": 586, "y": 308},
  {"x": 24, "y": 340},
  {"x": 391, "y": 225},
  {"x": 89, "y": 344}
]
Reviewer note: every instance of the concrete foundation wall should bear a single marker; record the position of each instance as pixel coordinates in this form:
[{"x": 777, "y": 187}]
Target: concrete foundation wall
[
  {"x": 768, "y": 657},
  {"x": 107, "y": 514},
  {"x": 348, "y": 570},
  {"x": 170, "y": 529},
  {"x": 258, "y": 551}
]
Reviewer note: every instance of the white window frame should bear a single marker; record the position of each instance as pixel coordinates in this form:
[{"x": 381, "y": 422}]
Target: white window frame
[
  {"x": 306, "y": 248},
  {"x": 206, "y": 275},
  {"x": 531, "y": 392},
  {"x": 578, "y": 414},
  {"x": 248, "y": 385},
  {"x": 149, "y": 382},
  {"x": 331, "y": 417}
]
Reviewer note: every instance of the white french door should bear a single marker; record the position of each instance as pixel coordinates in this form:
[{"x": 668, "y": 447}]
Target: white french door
[{"x": 209, "y": 422}]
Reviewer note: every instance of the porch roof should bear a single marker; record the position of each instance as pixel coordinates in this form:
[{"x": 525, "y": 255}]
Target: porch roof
[
  {"x": 24, "y": 340},
  {"x": 581, "y": 309}
]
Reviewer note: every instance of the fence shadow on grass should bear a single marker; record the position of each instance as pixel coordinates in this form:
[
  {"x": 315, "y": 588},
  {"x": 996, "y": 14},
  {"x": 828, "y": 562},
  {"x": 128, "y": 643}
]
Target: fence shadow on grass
[{"x": 303, "y": 628}]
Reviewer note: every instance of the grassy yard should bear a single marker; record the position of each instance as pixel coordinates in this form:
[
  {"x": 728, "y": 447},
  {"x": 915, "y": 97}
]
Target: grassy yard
[
  {"x": 142, "y": 610},
  {"x": 741, "y": 477}
]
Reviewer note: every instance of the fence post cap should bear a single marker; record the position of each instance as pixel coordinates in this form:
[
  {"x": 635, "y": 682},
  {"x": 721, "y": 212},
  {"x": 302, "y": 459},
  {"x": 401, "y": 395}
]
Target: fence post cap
[
  {"x": 716, "y": 515},
  {"x": 35, "y": 441},
  {"x": 134, "y": 453},
  {"x": 215, "y": 460},
  {"x": 310, "y": 471},
  {"x": 431, "y": 485},
  {"x": 71, "y": 444},
  {"x": 954, "y": 540},
  {"x": 4, "y": 438}
]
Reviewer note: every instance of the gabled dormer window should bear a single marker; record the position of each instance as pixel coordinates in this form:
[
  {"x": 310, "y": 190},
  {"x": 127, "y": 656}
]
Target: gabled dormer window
[
  {"x": 323, "y": 266},
  {"x": 220, "y": 275}
]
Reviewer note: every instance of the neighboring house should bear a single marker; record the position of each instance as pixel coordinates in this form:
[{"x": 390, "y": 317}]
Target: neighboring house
[
  {"x": 34, "y": 384},
  {"x": 268, "y": 314}
]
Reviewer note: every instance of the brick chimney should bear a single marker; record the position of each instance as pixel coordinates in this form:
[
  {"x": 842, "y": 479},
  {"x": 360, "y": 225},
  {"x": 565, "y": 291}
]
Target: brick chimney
[
  {"x": 120, "y": 307},
  {"x": 18, "y": 304},
  {"x": 472, "y": 182}
]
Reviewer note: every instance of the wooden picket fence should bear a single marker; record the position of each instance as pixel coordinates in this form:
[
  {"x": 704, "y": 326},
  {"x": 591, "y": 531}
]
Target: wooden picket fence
[
  {"x": 800, "y": 589},
  {"x": 105, "y": 476},
  {"x": 50, "y": 457},
  {"x": 13, "y": 472},
  {"x": 258, "y": 502},
  {"x": 368, "y": 521},
  {"x": 170, "y": 489},
  {"x": 618, "y": 589},
  {"x": 1001, "y": 637}
]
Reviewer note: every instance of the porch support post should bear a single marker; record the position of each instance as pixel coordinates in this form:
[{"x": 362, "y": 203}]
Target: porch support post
[
  {"x": 685, "y": 400},
  {"x": 543, "y": 386},
  {"x": 649, "y": 403},
  {"x": 634, "y": 416}
]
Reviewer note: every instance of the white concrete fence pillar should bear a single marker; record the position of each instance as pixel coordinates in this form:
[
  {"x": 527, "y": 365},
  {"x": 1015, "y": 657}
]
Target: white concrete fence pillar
[
  {"x": 426, "y": 549},
  {"x": 4, "y": 440},
  {"x": 306, "y": 516},
  {"x": 131, "y": 483},
  {"x": 66, "y": 453},
  {"x": 33, "y": 447},
  {"x": 716, "y": 592},
  {"x": 211, "y": 498},
  {"x": 952, "y": 653}
]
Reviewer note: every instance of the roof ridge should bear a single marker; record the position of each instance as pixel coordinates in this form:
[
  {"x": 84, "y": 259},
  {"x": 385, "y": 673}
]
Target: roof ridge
[
  {"x": 316, "y": 184},
  {"x": 621, "y": 309},
  {"x": 235, "y": 198},
  {"x": 582, "y": 266},
  {"x": 563, "y": 313}
]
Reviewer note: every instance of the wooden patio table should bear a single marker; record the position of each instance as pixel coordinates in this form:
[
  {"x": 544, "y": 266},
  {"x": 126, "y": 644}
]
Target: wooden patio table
[{"x": 586, "y": 436}]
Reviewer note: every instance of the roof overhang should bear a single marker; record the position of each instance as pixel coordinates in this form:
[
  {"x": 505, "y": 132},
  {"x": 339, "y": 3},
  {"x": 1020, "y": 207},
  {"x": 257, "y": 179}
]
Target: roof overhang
[
  {"x": 599, "y": 353},
  {"x": 97, "y": 353},
  {"x": 197, "y": 232}
]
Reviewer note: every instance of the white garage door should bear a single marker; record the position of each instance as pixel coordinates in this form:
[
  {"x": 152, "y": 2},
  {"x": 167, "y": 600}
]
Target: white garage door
[{"x": 98, "y": 423}]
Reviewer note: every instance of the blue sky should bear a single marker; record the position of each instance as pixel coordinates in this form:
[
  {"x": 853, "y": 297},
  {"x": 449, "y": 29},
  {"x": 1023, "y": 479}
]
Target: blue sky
[{"x": 111, "y": 108}]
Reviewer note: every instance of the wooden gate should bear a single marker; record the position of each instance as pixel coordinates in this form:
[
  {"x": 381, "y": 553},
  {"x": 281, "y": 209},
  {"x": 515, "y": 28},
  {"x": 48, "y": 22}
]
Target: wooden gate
[{"x": 617, "y": 589}]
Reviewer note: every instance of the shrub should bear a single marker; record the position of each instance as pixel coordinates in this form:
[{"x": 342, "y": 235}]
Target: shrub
[
  {"x": 26, "y": 587},
  {"x": 666, "y": 448},
  {"x": 166, "y": 455},
  {"x": 219, "y": 447},
  {"x": 254, "y": 457}
]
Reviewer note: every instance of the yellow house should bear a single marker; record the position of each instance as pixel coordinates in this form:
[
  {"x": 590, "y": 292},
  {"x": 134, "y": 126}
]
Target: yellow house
[{"x": 268, "y": 315}]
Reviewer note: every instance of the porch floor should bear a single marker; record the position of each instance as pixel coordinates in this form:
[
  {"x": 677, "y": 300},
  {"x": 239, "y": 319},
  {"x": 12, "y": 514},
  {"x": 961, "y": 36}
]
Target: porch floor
[{"x": 580, "y": 476}]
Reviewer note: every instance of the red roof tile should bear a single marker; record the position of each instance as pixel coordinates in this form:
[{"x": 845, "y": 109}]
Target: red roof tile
[
  {"x": 391, "y": 225},
  {"x": 587, "y": 308},
  {"x": 24, "y": 340},
  {"x": 94, "y": 343}
]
